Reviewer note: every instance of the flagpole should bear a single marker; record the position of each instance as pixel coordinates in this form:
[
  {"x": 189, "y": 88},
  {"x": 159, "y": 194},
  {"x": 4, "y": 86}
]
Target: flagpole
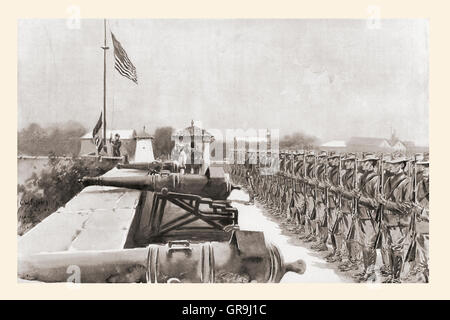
[{"x": 104, "y": 84}]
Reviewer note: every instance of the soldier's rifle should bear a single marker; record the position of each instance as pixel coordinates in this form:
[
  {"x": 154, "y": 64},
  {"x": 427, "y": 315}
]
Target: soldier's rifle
[
  {"x": 315, "y": 183},
  {"x": 291, "y": 190},
  {"x": 292, "y": 171},
  {"x": 410, "y": 254},
  {"x": 339, "y": 194},
  {"x": 379, "y": 217},
  {"x": 355, "y": 188},
  {"x": 355, "y": 199},
  {"x": 304, "y": 176},
  {"x": 324, "y": 178}
]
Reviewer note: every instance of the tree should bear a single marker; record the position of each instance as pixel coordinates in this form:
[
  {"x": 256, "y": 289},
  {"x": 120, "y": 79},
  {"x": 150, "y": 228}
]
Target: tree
[
  {"x": 60, "y": 139},
  {"x": 298, "y": 140},
  {"x": 43, "y": 194},
  {"x": 162, "y": 142}
]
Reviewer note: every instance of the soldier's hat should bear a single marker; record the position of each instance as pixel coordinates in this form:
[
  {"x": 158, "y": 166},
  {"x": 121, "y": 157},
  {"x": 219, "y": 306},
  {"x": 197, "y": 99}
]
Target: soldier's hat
[
  {"x": 349, "y": 156},
  {"x": 425, "y": 159},
  {"x": 322, "y": 154},
  {"x": 333, "y": 155},
  {"x": 370, "y": 157},
  {"x": 310, "y": 153},
  {"x": 397, "y": 159}
]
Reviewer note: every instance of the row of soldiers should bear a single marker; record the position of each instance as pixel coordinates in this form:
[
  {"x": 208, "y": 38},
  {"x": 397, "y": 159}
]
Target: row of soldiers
[{"x": 356, "y": 203}]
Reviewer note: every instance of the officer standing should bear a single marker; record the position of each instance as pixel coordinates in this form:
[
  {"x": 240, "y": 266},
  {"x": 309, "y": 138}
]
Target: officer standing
[{"x": 116, "y": 143}]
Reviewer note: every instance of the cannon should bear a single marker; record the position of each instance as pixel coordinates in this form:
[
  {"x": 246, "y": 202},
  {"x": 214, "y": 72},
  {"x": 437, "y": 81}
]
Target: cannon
[
  {"x": 216, "y": 187},
  {"x": 176, "y": 206},
  {"x": 154, "y": 166},
  {"x": 246, "y": 257}
]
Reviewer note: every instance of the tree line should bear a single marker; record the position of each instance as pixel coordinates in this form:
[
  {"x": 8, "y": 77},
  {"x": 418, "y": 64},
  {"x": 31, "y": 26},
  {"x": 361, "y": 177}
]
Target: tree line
[
  {"x": 64, "y": 140},
  {"x": 58, "y": 140}
]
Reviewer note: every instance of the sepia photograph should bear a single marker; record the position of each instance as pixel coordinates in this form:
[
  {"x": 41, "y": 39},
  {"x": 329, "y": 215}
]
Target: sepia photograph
[{"x": 223, "y": 151}]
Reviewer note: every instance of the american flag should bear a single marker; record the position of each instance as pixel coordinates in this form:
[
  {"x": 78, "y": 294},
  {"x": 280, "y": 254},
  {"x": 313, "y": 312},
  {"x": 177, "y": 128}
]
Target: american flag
[
  {"x": 96, "y": 134},
  {"x": 122, "y": 64}
]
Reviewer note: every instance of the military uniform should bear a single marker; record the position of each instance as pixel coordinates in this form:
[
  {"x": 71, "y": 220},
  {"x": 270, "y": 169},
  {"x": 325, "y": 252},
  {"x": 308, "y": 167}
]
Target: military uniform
[
  {"x": 350, "y": 251},
  {"x": 251, "y": 187},
  {"x": 321, "y": 204},
  {"x": 298, "y": 199},
  {"x": 287, "y": 187},
  {"x": 422, "y": 226},
  {"x": 116, "y": 144},
  {"x": 309, "y": 200},
  {"x": 367, "y": 231},
  {"x": 397, "y": 189},
  {"x": 333, "y": 178},
  {"x": 386, "y": 267}
]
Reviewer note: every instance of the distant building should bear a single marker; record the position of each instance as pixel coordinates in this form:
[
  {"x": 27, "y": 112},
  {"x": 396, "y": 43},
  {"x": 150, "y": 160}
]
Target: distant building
[
  {"x": 369, "y": 144},
  {"x": 334, "y": 145},
  {"x": 366, "y": 144}
]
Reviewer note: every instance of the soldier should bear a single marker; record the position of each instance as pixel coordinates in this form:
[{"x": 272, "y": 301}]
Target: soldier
[
  {"x": 279, "y": 184},
  {"x": 421, "y": 213},
  {"x": 349, "y": 250},
  {"x": 367, "y": 230},
  {"x": 263, "y": 185},
  {"x": 268, "y": 177},
  {"x": 298, "y": 199},
  {"x": 310, "y": 197},
  {"x": 250, "y": 184},
  {"x": 275, "y": 190},
  {"x": 397, "y": 205},
  {"x": 332, "y": 181},
  {"x": 288, "y": 187},
  {"x": 321, "y": 203},
  {"x": 262, "y": 177},
  {"x": 116, "y": 143},
  {"x": 382, "y": 244}
]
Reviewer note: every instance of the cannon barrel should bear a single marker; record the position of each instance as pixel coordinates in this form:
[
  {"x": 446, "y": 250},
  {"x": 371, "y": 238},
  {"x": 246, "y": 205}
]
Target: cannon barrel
[
  {"x": 201, "y": 185},
  {"x": 84, "y": 266},
  {"x": 177, "y": 261},
  {"x": 148, "y": 166}
]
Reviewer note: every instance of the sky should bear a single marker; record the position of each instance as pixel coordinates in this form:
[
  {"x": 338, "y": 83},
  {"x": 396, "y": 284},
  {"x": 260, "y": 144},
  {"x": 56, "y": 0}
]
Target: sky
[{"x": 333, "y": 79}]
